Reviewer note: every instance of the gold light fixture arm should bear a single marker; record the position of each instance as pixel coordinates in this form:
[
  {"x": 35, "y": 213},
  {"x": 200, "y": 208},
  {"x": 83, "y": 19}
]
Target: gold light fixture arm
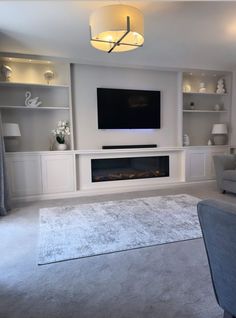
[{"x": 123, "y": 36}]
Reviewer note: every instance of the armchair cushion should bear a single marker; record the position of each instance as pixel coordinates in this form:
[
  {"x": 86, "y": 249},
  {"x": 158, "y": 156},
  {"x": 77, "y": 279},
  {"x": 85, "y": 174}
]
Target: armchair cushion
[
  {"x": 222, "y": 164},
  {"x": 229, "y": 175}
]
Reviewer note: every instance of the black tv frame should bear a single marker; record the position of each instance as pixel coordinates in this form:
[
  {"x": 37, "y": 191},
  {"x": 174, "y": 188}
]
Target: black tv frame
[{"x": 107, "y": 123}]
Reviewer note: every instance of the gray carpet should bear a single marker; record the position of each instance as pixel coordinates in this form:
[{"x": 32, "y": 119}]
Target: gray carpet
[
  {"x": 163, "y": 281},
  {"x": 92, "y": 229}
]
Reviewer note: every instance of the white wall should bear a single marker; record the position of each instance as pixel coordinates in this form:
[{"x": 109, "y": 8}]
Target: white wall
[{"x": 86, "y": 79}]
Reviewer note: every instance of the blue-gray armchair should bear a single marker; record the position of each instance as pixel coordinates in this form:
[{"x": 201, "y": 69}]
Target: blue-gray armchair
[
  {"x": 225, "y": 169},
  {"x": 218, "y": 223}
]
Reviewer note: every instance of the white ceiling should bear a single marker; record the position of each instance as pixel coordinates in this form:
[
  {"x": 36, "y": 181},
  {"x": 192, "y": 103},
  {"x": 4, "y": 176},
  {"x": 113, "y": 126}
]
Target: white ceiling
[{"x": 177, "y": 34}]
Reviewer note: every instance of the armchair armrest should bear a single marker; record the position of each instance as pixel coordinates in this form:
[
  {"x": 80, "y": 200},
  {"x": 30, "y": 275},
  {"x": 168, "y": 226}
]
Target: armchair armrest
[{"x": 221, "y": 163}]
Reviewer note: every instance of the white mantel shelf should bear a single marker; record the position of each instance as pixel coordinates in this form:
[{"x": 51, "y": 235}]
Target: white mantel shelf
[
  {"x": 127, "y": 150},
  {"x": 114, "y": 151}
]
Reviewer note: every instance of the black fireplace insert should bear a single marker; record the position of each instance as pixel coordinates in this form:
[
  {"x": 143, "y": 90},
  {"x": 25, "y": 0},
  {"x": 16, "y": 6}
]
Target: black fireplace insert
[{"x": 129, "y": 168}]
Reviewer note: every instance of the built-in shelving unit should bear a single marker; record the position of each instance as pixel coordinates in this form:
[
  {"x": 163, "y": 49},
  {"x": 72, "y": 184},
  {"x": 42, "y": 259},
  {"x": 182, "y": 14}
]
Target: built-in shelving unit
[
  {"x": 35, "y": 171},
  {"x": 36, "y": 126},
  {"x": 201, "y": 110}
]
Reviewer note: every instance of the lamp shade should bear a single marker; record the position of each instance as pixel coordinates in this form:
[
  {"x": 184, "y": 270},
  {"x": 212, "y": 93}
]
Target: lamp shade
[
  {"x": 11, "y": 130},
  {"x": 116, "y": 28},
  {"x": 219, "y": 129}
]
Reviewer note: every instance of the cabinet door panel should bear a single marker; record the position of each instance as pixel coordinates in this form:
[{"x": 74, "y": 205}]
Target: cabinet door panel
[
  {"x": 24, "y": 173},
  {"x": 196, "y": 165},
  {"x": 58, "y": 173}
]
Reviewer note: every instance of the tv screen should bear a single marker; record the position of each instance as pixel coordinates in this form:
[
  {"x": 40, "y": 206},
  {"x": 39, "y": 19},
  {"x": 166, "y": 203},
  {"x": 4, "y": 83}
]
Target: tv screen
[{"x": 128, "y": 109}]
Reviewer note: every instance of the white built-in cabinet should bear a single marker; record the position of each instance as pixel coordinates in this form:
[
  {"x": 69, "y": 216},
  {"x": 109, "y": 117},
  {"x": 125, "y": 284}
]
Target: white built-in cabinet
[
  {"x": 58, "y": 173},
  {"x": 36, "y": 170},
  {"x": 199, "y": 163},
  {"x": 199, "y": 114},
  {"x": 24, "y": 173},
  {"x": 40, "y": 174}
]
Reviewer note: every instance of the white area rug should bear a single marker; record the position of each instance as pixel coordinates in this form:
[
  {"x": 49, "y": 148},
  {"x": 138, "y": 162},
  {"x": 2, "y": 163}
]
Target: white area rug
[{"x": 98, "y": 228}]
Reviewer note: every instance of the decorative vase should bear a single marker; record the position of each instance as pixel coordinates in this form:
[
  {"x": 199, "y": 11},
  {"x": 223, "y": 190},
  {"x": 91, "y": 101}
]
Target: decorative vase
[
  {"x": 61, "y": 147},
  {"x": 186, "y": 140},
  {"x": 209, "y": 143}
]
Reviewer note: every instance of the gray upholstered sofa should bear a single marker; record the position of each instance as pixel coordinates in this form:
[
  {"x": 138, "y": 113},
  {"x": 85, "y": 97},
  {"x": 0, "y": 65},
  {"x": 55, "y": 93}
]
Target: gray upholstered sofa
[
  {"x": 218, "y": 223},
  {"x": 225, "y": 168}
]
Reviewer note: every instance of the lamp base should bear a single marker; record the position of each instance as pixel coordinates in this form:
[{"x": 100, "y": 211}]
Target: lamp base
[
  {"x": 220, "y": 139},
  {"x": 12, "y": 144}
]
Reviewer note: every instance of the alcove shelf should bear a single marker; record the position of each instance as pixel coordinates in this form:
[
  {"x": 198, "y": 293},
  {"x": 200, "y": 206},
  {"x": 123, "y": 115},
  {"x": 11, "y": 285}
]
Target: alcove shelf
[
  {"x": 33, "y": 84},
  {"x": 198, "y": 122},
  {"x": 34, "y": 108},
  {"x": 207, "y": 93},
  {"x": 36, "y": 123},
  {"x": 203, "y": 111}
]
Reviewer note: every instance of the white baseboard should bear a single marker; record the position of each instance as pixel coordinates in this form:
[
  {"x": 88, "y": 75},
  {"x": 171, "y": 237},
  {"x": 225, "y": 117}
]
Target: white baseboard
[{"x": 94, "y": 192}]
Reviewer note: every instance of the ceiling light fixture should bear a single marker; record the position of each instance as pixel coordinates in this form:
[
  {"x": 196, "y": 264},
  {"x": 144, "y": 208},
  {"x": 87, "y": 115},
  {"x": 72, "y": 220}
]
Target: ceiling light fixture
[{"x": 116, "y": 28}]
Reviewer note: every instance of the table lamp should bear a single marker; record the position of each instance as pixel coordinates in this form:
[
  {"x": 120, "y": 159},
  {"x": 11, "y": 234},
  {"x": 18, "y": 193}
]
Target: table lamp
[
  {"x": 219, "y": 132},
  {"x": 10, "y": 132}
]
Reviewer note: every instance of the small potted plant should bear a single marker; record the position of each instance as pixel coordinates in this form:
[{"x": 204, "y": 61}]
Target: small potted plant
[{"x": 60, "y": 133}]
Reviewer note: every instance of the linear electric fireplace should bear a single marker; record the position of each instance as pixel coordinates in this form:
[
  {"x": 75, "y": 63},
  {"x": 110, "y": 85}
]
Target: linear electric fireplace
[{"x": 129, "y": 168}]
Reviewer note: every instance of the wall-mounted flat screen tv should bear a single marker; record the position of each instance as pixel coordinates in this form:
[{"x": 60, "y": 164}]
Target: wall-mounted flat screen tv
[{"x": 128, "y": 109}]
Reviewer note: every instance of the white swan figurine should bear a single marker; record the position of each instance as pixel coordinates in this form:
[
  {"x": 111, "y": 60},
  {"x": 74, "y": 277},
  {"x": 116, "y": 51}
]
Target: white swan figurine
[{"x": 31, "y": 102}]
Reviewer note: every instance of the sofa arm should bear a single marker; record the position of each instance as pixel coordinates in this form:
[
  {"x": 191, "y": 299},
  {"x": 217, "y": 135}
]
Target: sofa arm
[{"x": 221, "y": 163}]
